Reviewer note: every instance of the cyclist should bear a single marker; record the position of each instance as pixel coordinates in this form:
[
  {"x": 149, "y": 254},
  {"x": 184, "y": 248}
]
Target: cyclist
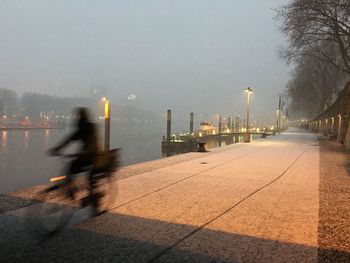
[{"x": 86, "y": 134}]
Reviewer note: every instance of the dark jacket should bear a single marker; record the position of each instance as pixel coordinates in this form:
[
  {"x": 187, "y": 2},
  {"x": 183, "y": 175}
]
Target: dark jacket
[{"x": 87, "y": 135}]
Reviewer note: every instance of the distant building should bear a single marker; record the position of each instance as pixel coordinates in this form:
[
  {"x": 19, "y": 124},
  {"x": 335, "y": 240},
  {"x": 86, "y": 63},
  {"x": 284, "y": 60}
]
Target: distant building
[{"x": 8, "y": 102}]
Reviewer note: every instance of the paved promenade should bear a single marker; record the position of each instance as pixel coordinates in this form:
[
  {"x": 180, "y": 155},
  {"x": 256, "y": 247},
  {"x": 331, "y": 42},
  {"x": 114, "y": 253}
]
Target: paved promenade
[{"x": 267, "y": 201}]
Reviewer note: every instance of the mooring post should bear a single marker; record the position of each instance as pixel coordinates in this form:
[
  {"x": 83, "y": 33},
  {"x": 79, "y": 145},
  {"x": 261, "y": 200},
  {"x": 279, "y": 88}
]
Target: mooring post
[
  {"x": 229, "y": 130},
  {"x": 168, "y": 127},
  {"x": 107, "y": 124},
  {"x": 237, "y": 129},
  {"x": 219, "y": 131},
  {"x": 228, "y": 123},
  {"x": 191, "y": 123}
]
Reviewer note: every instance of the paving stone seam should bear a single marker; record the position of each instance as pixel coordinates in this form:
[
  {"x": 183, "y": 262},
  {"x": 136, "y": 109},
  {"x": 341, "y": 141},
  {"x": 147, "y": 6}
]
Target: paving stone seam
[
  {"x": 186, "y": 178},
  {"x": 157, "y": 256},
  {"x": 217, "y": 150}
]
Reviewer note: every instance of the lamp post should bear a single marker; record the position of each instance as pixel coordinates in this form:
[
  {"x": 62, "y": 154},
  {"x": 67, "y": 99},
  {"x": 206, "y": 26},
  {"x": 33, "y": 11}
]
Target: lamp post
[
  {"x": 191, "y": 123},
  {"x": 278, "y": 122},
  {"x": 107, "y": 122},
  {"x": 248, "y": 91}
]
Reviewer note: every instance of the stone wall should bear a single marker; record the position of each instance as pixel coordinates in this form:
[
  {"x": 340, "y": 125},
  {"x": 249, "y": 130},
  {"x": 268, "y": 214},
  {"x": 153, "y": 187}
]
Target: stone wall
[{"x": 336, "y": 119}]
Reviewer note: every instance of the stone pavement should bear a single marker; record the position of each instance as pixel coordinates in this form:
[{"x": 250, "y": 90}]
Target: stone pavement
[
  {"x": 257, "y": 202},
  {"x": 334, "y": 212}
]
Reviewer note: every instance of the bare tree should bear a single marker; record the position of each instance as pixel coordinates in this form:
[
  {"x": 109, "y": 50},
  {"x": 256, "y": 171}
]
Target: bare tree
[
  {"x": 315, "y": 27},
  {"x": 313, "y": 86},
  {"x": 318, "y": 34}
]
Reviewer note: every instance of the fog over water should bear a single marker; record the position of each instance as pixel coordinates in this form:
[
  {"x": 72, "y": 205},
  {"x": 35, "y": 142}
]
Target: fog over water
[
  {"x": 24, "y": 161},
  {"x": 23, "y": 153},
  {"x": 195, "y": 55},
  {"x": 151, "y": 55}
]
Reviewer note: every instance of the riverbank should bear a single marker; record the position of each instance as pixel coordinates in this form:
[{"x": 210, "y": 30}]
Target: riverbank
[
  {"x": 28, "y": 128},
  {"x": 21, "y": 198},
  {"x": 270, "y": 200}
]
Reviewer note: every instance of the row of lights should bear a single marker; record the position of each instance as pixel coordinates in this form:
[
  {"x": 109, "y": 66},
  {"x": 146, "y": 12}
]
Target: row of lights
[{"x": 5, "y": 117}]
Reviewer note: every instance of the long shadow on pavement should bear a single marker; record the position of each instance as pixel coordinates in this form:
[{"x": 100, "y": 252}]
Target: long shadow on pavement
[{"x": 122, "y": 238}]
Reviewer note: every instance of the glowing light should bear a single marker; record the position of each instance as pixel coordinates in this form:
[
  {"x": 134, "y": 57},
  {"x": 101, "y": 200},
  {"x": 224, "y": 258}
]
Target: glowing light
[
  {"x": 26, "y": 138},
  {"x": 107, "y": 107},
  {"x": 248, "y": 90},
  {"x": 58, "y": 178},
  {"x": 4, "y": 138}
]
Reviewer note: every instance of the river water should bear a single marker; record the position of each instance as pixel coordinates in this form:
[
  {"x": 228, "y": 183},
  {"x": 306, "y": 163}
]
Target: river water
[{"x": 24, "y": 163}]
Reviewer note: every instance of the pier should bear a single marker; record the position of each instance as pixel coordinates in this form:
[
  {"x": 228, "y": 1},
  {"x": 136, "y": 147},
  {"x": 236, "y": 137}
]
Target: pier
[{"x": 195, "y": 140}]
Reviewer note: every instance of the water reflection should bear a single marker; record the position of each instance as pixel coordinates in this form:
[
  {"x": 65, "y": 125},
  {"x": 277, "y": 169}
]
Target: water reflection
[
  {"x": 25, "y": 163},
  {"x": 175, "y": 148},
  {"x": 4, "y": 140},
  {"x": 47, "y": 137},
  {"x": 26, "y": 138}
]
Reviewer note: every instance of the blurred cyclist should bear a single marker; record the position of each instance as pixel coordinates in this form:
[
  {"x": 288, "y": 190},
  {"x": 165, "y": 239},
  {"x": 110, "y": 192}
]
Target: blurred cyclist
[{"x": 86, "y": 134}]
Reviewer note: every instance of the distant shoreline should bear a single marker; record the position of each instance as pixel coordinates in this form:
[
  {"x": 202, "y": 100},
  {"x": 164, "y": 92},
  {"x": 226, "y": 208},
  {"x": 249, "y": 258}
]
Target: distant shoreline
[{"x": 28, "y": 128}]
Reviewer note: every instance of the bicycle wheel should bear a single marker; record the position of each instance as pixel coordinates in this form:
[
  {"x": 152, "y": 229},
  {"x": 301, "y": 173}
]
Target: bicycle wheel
[
  {"x": 50, "y": 211},
  {"x": 109, "y": 180},
  {"x": 104, "y": 193}
]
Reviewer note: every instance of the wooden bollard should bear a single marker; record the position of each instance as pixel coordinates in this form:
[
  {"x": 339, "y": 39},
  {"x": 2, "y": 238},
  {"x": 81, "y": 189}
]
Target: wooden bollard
[
  {"x": 237, "y": 129},
  {"x": 228, "y": 123},
  {"x": 219, "y": 131},
  {"x": 191, "y": 122},
  {"x": 201, "y": 147},
  {"x": 107, "y": 124},
  {"x": 168, "y": 126}
]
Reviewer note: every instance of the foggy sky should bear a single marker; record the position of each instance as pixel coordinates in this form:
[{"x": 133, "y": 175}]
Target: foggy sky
[{"x": 188, "y": 55}]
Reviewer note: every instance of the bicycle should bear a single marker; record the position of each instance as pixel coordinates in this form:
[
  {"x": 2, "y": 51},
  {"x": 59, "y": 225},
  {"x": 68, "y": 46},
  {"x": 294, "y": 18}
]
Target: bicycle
[{"x": 54, "y": 207}]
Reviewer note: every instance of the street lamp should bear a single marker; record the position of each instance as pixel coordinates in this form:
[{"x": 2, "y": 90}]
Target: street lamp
[
  {"x": 107, "y": 122},
  {"x": 278, "y": 121},
  {"x": 248, "y": 91}
]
